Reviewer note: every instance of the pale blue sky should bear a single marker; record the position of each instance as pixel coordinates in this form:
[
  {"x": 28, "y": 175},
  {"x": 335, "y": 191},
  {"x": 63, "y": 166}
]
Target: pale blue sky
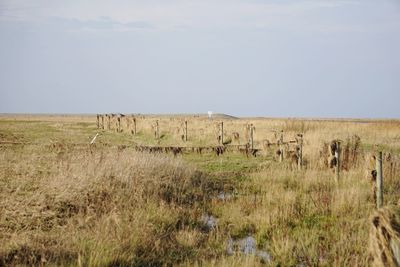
[{"x": 304, "y": 58}]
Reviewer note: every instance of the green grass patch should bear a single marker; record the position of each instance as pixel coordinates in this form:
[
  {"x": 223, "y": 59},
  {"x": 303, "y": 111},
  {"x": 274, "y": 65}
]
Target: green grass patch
[{"x": 226, "y": 163}]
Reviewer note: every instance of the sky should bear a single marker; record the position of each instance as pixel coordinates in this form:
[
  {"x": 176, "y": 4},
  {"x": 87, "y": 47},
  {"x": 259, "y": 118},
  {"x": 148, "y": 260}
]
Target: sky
[{"x": 278, "y": 58}]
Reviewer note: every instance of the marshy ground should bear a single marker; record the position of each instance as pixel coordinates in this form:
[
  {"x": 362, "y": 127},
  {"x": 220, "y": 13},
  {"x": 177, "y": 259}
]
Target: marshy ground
[{"x": 64, "y": 202}]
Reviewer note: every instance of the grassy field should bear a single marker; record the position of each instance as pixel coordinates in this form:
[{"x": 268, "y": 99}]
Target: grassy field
[{"x": 64, "y": 202}]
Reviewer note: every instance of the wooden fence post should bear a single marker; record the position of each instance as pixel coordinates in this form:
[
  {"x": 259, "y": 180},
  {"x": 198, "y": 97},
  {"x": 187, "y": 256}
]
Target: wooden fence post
[
  {"x": 379, "y": 181},
  {"x": 134, "y": 125},
  {"x": 337, "y": 156},
  {"x": 109, "y": 121},
  {"x": 118, "y": 124},
  {"x": 281, "y": 153},
  {"x": 281, "y": 147},
  {"x": 102, "y": 121},
  {"x": 157, "y": 132},
  {"x": 251, "y": 136},
  {"x": 98, "y": 121},
  {"x": 300, "y": 151},
  {"x": 186, "y": 131}
]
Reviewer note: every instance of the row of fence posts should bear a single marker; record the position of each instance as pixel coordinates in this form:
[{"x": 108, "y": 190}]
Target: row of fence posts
[
  {"x": 250, "y": 128},
  {"x": 379, "y": 174},
  {"x": 157, "y": 131},
  {"x": 102, "y": 124},
  {"x": 185, "y": 131}
]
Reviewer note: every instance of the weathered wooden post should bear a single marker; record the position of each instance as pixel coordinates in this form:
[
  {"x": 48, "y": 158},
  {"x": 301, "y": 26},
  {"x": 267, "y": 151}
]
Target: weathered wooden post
[
  {"x": 115, "y": 122},
  {"x": 119, "y": 124},
  {"x": 134, "y": 125},
  {"x": 281, "y": 152},
  {"x": 221, "y": 135},
  {"x": 157, "y": 132},
  {"x": 98, "y": 121},
  {"x": 251, "y": 137},
  {"x": 109, "y": 121},
  {"x": 300, "y": 151},
  {"x": 379, "y": 181},
  {"x": 281, "y": 147},
  {"x": 102, "y": 121},
  {"x": 337, "y": 156},
  {"x": 186, "y": 131}
]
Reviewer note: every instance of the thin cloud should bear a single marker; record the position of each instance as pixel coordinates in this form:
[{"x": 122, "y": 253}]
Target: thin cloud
[
  {"x": 101, "y": 23},
  {"x": 287, "y": 15}
]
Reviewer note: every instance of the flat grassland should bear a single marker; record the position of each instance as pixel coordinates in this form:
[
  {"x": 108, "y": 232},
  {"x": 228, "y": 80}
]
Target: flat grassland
[{"x": 65, "y": 202}]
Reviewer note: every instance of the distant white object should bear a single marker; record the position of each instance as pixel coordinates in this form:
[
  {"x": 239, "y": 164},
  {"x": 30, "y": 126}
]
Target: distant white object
[
  {"x": 94, "y": 139},
  {"x": 210, "y": 113}
]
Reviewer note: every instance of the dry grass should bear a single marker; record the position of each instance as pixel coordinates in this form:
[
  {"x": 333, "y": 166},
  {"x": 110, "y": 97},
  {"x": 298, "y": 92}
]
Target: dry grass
[
  {"x": 304, "y": 217},
  {"x": 96, "y": 207},
  {"x": 385, "y": 237},
  {"x": 78, "y": 205}
]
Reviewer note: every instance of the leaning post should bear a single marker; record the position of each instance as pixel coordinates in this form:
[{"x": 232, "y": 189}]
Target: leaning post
[{"x": 379, "y": 181}]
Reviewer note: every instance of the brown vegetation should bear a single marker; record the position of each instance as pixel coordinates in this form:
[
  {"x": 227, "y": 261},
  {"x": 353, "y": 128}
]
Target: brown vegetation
[
  {"x": 95, "y": 207},
  {"x": 63, "y": 202},
  {"x": 385, "y": 237}
]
